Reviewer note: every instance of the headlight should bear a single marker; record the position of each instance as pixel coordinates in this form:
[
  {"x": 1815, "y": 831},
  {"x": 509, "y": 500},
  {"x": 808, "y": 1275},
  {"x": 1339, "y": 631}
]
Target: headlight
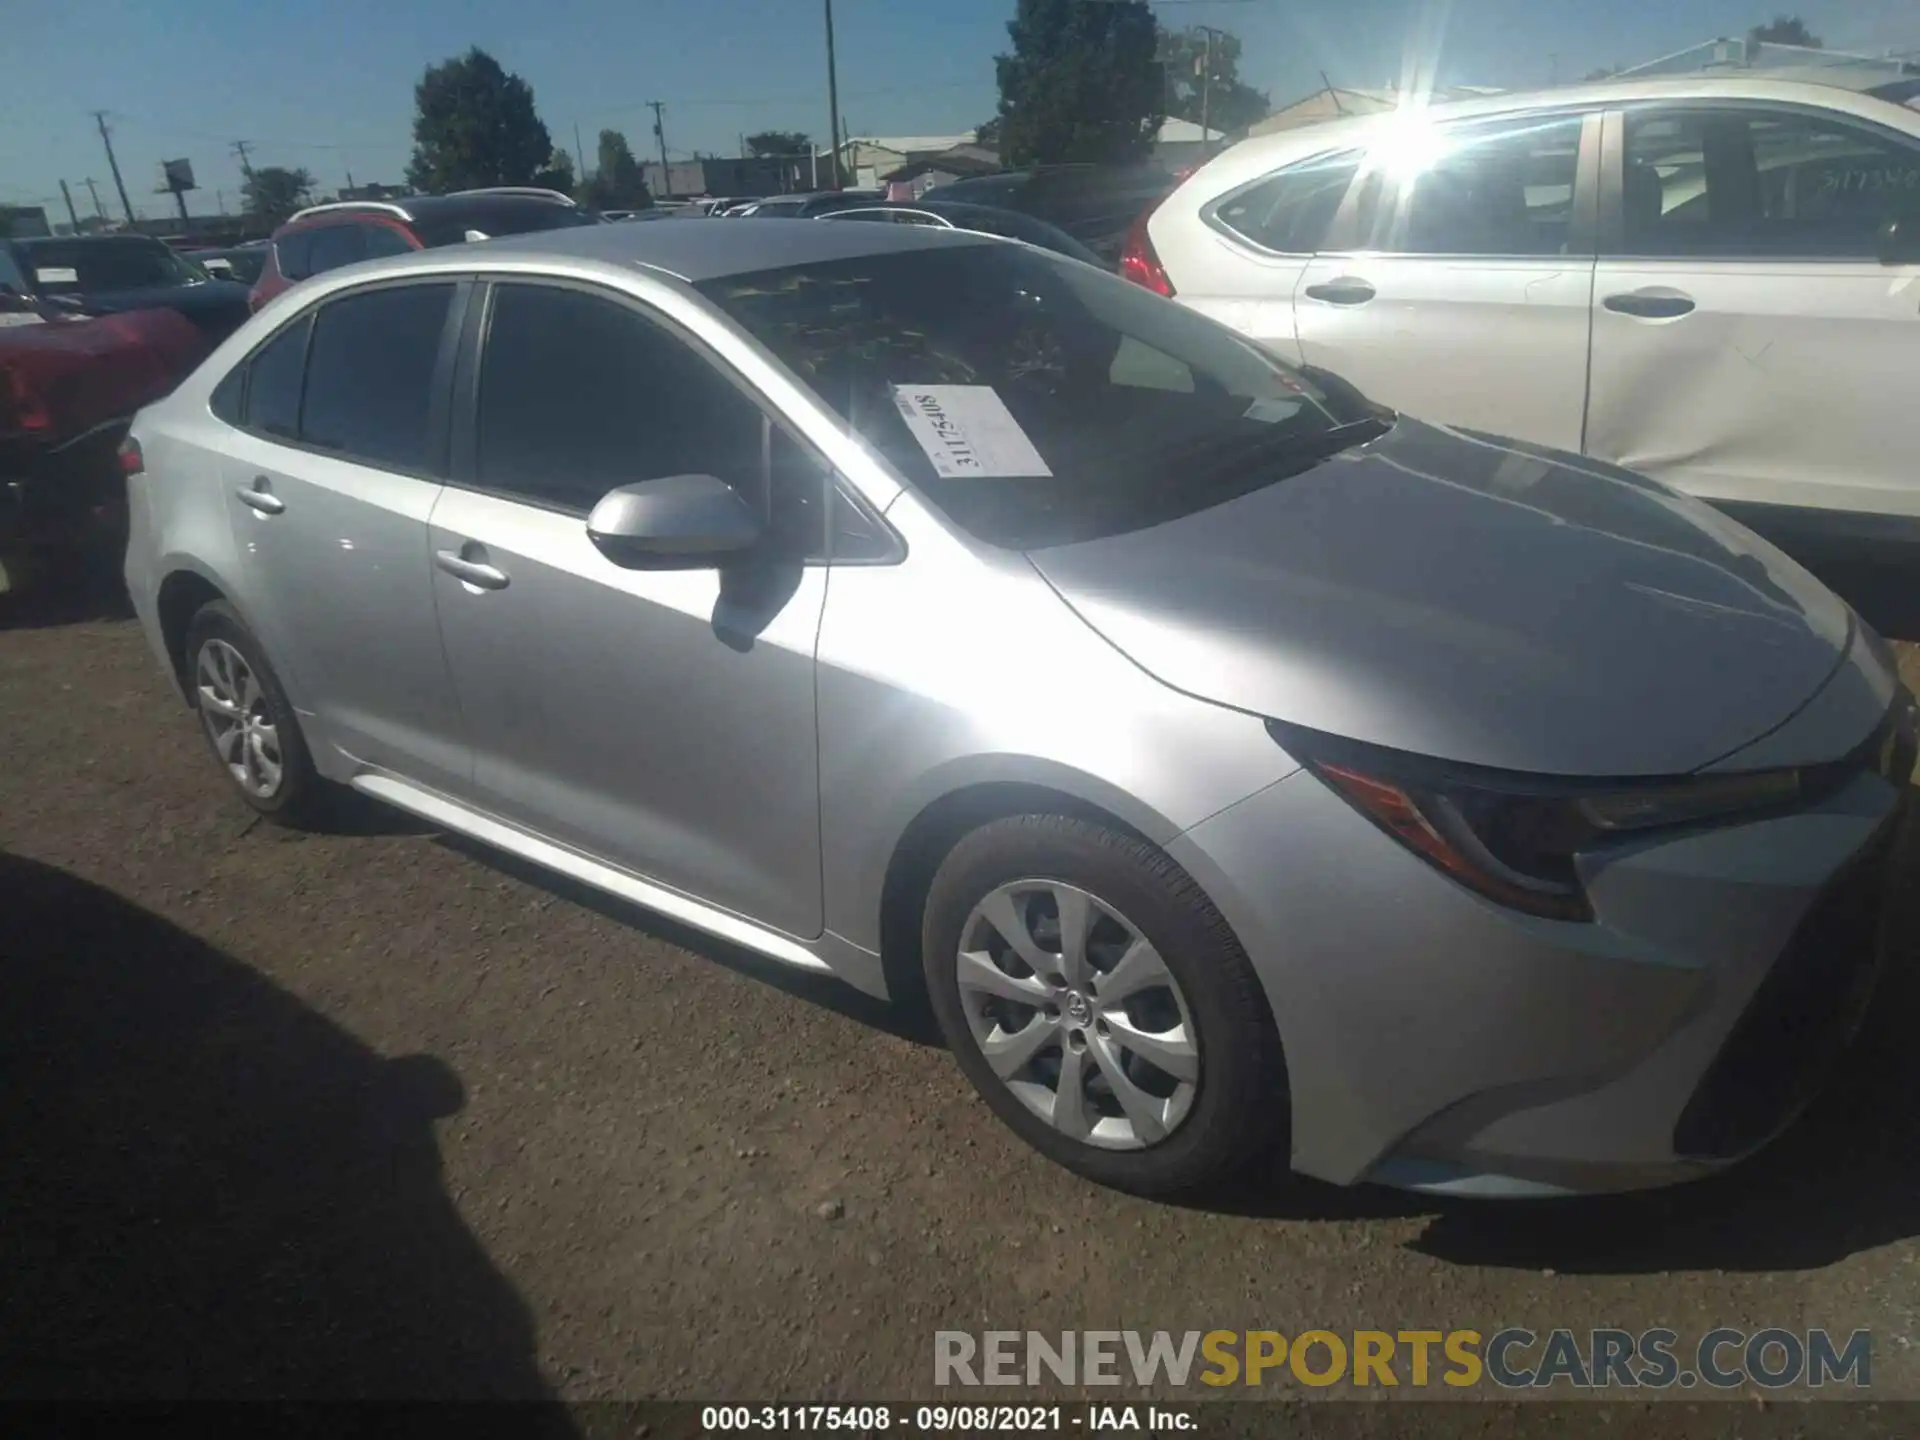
[{"x": 1513, "y": 839}]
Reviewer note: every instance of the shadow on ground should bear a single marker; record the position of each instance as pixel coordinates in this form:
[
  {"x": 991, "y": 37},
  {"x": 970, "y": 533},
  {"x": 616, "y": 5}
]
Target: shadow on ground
[{"x": 211, "y": 1191}]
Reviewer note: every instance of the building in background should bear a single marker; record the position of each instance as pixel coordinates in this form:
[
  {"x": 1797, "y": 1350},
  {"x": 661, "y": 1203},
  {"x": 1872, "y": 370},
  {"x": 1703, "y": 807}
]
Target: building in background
[
  {"x": 1787, "y": 62},
  {"x": 1337, "y": 102},
  {"x": 724, "y": 175},
  {"x": 1181, "y": 143},
  {"x": 867, "y": 159},
  {"x": 914, "y": 179}
]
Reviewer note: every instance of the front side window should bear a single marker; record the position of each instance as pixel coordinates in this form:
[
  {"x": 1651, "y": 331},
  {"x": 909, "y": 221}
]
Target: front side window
[
  {"x": 273, "y": 386},
  {"x": 580, "y": 395},
  {"x": 1735, "y": 182},
  {"x": 1503, "y": 189},
  {"x": 98, "y": 266},
  {"x": 1035, "y": 400},
  {"x": 1290, "y": 212},
  {"x": 370, "y": 373}
]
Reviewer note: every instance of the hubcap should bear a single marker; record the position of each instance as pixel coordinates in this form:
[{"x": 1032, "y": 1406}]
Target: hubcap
[
  {"x": 234, "y": 709},
  {"x": 1078, "y": 1015}
]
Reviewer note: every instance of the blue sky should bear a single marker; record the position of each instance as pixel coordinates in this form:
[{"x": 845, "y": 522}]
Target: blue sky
[{"x": 329, "y": 86}]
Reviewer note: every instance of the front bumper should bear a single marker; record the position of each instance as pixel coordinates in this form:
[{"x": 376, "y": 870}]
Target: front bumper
[{"x": 1438, "y": 1042}]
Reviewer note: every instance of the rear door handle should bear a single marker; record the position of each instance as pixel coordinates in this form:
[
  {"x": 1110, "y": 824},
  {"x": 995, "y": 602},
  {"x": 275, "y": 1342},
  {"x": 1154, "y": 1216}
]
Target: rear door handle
[
  {"x": 259, "y": 496},
  {"x": 1342, "y": 292},
  {"x": 1645, "y": 306},
  {"x": 471, "y": 572}
]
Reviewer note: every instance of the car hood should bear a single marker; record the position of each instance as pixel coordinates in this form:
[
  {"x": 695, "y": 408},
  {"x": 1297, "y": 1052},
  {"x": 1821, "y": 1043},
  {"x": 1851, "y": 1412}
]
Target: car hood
[{"x": 1473, "y": 599}]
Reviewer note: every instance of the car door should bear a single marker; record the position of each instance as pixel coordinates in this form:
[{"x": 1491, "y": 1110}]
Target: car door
[
  {"x": 331, "y": 473},
  {"x": 1467, "y": 299},
  {"x": 1748, "y": 345},
  {"x": 661, "y": 721}
]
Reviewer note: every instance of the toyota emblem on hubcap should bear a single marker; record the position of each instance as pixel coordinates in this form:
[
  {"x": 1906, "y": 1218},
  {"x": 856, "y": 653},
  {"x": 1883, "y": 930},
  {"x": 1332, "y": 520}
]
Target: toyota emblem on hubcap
[{"x": 1078, "y": 1010}]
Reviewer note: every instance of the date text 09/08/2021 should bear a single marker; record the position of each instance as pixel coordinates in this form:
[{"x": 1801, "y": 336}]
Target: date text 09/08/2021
[{"x": 948, "y": 1419}]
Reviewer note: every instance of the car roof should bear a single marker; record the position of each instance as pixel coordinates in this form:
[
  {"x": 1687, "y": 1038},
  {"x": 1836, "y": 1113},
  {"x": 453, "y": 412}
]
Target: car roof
[
  {"x": 1257, "y": 154},
  {"x": 418, "y": 209},
  {"x": 692, "y": 251}
]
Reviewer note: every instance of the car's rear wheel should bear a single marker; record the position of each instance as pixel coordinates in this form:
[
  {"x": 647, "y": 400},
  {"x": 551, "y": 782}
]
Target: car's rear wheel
[
  {"x": 1101, "y": 1005},
  {"x": 247, "y": 719}
]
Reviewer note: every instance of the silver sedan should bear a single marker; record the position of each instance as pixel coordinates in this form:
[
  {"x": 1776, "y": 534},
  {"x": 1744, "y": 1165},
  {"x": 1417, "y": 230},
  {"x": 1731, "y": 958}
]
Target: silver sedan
[{"x": 1228, "y": 761}]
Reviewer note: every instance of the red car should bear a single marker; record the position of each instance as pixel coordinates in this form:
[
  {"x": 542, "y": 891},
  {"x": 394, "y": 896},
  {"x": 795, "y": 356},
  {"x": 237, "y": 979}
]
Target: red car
[
  {"x": 68, "y": 390},
  {"x": 325, "y": 237}
]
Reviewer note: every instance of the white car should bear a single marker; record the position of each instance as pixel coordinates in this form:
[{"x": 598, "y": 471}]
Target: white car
[{"x": 1715, "y": 282}]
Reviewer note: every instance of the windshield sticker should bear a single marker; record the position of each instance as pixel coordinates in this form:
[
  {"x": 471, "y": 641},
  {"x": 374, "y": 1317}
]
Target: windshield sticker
[
  {"x": 57, "y": 276},
  {"x": 1272, "y": 409},
  {"x": 967, "y": 430}
]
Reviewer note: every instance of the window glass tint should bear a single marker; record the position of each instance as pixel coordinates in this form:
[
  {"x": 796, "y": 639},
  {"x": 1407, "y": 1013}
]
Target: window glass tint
[
  {"x": 228, "y": 395},
  {"x": 332, "y": 247},
  {"x": 378, "y": 240},
  {"x": 1502, "y": 189},
  {"x": 291, "y": 252},
  {"x": 370, "y": 375},
  {"x": 1290, "y": 212},
  {"x": 273, "y": 389},
  {"x": 1747, "y": 182},
  {"x": 449, "y": 226},
  {"x": 1138, "y": 410},
  {"x": 580, "y": 395}
]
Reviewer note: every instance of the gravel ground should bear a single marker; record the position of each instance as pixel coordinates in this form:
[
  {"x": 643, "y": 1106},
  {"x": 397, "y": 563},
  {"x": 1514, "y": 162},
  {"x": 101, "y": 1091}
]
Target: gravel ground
[{"x": 373, "y": 1114}]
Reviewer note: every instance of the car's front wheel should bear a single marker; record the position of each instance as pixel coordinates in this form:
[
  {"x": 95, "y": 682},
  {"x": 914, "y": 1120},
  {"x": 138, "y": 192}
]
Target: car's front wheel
[
  {"x": 247, "y": 719},
  {"x": 1101, "y": 1005}
]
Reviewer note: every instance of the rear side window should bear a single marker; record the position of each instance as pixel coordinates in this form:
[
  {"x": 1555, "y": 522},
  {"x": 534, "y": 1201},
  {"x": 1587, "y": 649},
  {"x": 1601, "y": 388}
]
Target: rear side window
[
  {"x": 370, "y": 375},
  {"x": 1504, "y": 188},
  {"x": 229, "y": 396},
  {"x": 273, "y": 387},
  {"x": 334, "y": 246},
  {"x": 378, "y": 240},
  {"x": 291, "y": 251},
  {"x": 1290, "y": 212}
]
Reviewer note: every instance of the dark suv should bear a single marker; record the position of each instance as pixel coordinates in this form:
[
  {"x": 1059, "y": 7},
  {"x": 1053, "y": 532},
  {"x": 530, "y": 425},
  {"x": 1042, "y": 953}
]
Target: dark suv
[
  {"x": 325, "y": 237},
  {"x": 1095, "y": 204}
]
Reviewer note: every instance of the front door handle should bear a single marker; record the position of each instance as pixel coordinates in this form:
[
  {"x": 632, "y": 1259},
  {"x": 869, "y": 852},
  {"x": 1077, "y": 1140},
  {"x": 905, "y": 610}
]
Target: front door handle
[
  {"x": 471, "y": 572},
  {"x": 1644, "y": 305},
  {"x": 259, "y": 496},
  {"x": 1342, "y": 292}
]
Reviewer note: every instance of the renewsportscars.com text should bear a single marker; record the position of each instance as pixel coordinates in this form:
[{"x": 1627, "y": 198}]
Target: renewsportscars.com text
[{"x": 1512, "y": 1358}]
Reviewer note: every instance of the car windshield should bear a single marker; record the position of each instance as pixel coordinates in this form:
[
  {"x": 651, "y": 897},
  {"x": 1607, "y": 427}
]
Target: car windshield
[
  {"x": 91, "y": 267},
  {"x": 497, "y": 220},
  {"x": 1037, "y": 401}
]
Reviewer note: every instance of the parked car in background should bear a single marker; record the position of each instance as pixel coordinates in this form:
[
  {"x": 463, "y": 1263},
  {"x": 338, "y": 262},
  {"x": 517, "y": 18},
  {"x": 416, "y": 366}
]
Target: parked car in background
[
  {"x": 1233, "y": 762},
  {"x": 945, "y": 215},
  {"x": 241, "y": 264},
  {"x": 1710, "y": 280},
  {"x": 806, "y": 207},
  {"x": 325, "y": 237},
  {"x": 68, "y": 389},
  {"x": 91, "y": 275},
  {"x": 1096, "y": 204}
]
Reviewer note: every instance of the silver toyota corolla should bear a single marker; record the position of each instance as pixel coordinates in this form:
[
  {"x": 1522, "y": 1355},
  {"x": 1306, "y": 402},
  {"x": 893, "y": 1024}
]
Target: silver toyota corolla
[{"x": 1225, "y": 759}]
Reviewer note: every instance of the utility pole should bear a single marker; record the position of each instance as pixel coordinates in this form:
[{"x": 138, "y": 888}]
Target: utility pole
[
  {"x": 1206, "y": 88},
  {"x": 100, "y": 119},
  {"x": 660, "y": 134},
  {"x": 833, "y": 101},
  {"x": 67, "y": 195},
  {"x": 578, "y": 153},
  {"x": 220, "y": 199},
  {"x": 94, "y": 190},
  {"x": 240, "y": 148}
]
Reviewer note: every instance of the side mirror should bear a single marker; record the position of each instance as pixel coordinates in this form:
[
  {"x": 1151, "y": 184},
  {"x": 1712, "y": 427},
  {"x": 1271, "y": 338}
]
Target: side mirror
[
  {"x": 678, "y": 522},
  {"x": 1898, "y": 240}
]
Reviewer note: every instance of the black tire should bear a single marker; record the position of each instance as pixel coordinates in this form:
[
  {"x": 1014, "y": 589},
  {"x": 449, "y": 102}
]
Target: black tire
[
  {"x": 1240, "y": 1108},
  {"x": 302, "y": 795}
]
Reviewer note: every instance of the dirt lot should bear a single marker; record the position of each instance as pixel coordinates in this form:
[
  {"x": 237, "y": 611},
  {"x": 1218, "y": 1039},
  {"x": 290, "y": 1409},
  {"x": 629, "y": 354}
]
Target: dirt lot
[{"x": 371, "y": 1114}]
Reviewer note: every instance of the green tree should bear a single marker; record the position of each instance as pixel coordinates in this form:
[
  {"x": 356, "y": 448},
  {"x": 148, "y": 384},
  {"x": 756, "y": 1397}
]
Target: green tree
[
  {"x": 274, "y": 192},
  {"x": 556, "y": 174},
  {"x": 1228, "y": 104},
  {"x": 987, "y": 136},
  {"x": 618, "y": 183},
  {"x": 1081, "y": 83},
  {"x": 475, "y": 125},
  {"x": 1784, "y": 30},
  {"x": 779, "y": 142}
]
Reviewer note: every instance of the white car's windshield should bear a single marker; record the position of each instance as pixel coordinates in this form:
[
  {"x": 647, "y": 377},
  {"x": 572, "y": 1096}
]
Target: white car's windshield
[{"x": 1036, "y": 400}]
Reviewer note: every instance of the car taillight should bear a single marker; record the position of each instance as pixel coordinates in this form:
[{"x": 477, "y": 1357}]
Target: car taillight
[
  {"x": 132, "y": 461},
  {"x": 22, "y": 409},
  {"x": 1139, "y": 263}
]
